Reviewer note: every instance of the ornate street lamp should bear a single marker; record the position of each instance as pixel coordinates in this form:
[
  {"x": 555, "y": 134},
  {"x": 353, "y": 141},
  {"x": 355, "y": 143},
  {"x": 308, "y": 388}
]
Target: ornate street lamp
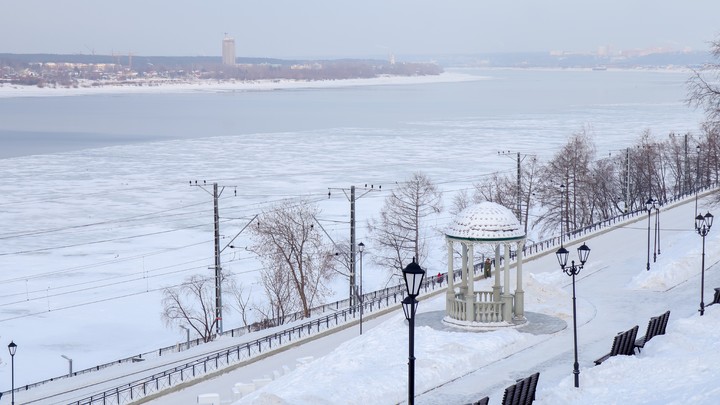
[
  {"x": 361, "y": 248},
  {"x": 703, "y": 224},
  {"x": 562, "y": 256},
  {"x": 562, "y": 199},
  {"x": 649, "y": 205},
  {"x": 657, "y": 226},
  {"x": 413, "y": 275},
  {"x": 697, "y": 179},
  {"x": 12, "y": 347}
]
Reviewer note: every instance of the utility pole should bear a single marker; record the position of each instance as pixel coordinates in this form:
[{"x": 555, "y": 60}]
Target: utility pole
[
  {"x": 627, "y": 180},
  {"x": 353, "y": 284},
  {"x": 352, "y": 197},
  {"x": 686, "y": 172},
  {"x": 217, "y": 267},
  {"x": 518, "y": 194}
]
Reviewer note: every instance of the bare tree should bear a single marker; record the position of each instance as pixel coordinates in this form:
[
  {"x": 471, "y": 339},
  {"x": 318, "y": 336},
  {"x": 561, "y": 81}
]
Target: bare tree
[
  {"x": 500, "y": 188},
  {"x": 399, "y": 234},
  {"x": 566, "y": 185},
  {"x": 530, "y": 181},
  {"x": 605, "y": 177},
  {"x": 460, "y": 201},
  {"x": 704, "y": 93},
  {"x": 241, "y": 302},
  {"x": 709, "y": 155},
  {"x": 279, "y": 292},
  {"x": 675, "y": 152},
  {"x": 293, "y": 253},
  {"x": 704, "y": 87},
  {"x": 192, "y": 303}
]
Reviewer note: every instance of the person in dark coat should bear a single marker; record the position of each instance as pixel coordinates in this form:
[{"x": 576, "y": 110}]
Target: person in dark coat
[{"x": 487, "y": 268}]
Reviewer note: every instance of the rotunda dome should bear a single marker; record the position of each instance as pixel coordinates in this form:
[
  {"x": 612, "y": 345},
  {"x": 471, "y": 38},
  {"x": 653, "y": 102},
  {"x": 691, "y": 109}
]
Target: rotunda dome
[{"x": 486, "y": 221}]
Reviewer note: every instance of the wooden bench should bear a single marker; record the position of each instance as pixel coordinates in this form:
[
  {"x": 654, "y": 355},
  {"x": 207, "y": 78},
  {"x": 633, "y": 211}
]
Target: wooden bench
[
  {"x": 522, "y": 392},
  {"x": 656, "y": 326},
  {"x": 623, "y": 344},
  {"x": 483, "y": 401},
  {"x": 716, "y": 298}
]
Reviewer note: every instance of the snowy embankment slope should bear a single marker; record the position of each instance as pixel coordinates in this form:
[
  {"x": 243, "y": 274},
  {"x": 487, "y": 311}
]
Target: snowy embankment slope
[{"x": 614, "y": 293}]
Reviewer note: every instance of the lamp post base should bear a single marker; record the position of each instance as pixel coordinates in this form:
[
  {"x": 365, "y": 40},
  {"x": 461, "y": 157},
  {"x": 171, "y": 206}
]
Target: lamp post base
[{"x": 576, "y": 371}]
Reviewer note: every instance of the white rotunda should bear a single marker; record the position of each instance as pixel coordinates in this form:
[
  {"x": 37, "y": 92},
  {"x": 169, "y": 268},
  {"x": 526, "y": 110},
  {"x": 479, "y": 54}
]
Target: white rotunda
[{"x": 489, "y": 224}]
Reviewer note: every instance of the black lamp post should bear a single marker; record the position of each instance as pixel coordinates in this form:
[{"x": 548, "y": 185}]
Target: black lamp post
[
  {"x": 414, "y": 276},
  {"x": 697, "y": 179},
  {"x": 562, "y": 197},
  {"x": 657, "y": 226},
  {"x": 361, "y": 247},
  {"x": 12, "y": 347},
  {"x": 649, "y": 205},
  {"x": 573, "y": 270},
  {"x": 655, "y": 233},
  {"x": 703, "y": 224}
]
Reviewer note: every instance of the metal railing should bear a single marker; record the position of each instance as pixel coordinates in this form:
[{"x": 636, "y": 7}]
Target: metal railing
[
  {"x": 179, "y": 347},
  {"x": 129, "y": 392}
]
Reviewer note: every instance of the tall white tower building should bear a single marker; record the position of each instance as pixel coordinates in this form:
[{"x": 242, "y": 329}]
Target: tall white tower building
[{"x": 228, "y": 51}]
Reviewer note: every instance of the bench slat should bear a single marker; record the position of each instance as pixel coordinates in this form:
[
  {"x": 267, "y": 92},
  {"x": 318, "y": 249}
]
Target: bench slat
[
  {"x": 508, "y": 395},
  {"x": 628, "y": 347},
  {"x": 663, "y": 324},
  {"x": 533, "y": 386}
]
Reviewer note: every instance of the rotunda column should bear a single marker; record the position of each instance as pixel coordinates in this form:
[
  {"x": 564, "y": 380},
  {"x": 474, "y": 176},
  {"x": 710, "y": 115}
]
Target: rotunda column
[
  {"x": 497, "y": 289},
  {"x": 507, "y": 297},
  {"x": 463, "y": 272},
  {"x": 519, "y": 293},
  {"x": 470, "y": 297},
  {"x": 450, "y": 292}
]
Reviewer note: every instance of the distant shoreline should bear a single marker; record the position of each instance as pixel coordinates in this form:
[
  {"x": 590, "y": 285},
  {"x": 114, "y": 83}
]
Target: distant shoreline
[
  {"x": 230, "y": 86},
  {"x": 215, "y": 86}
]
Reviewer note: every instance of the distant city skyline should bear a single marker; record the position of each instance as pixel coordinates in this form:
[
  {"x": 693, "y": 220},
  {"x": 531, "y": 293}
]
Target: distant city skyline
[{"x": 331, "y": 28}]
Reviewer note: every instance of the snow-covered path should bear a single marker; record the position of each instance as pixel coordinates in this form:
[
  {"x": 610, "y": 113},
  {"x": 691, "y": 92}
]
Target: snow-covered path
[{"x": 610, "y": 300}]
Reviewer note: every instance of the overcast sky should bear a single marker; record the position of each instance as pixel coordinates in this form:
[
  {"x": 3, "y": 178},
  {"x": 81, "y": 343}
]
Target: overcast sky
[{"x": 340, "y": 28}]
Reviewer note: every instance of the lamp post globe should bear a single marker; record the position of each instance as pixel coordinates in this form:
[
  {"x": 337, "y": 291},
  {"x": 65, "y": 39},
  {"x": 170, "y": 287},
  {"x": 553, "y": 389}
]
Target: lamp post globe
[
  {"x": 583, "y": 254},
  {"x": 562, "y": 256},
  {"x": 709, "y": 220},
  {"x": 413, "y": 275}
]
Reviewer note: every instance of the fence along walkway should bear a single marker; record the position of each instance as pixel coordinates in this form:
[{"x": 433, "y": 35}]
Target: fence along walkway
[
  {"x": 372, "y": 301},
  {"x": 219, "y": 360}
]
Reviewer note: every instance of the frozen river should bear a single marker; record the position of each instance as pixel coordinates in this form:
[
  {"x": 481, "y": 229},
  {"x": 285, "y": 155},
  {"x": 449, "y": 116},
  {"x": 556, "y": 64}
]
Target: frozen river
[{"x": 92, "y": 234}]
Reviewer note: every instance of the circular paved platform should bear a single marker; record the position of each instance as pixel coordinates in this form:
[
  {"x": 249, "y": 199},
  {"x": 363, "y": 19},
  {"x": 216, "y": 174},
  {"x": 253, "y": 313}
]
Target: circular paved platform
[{"x": 536, "y": 324}]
